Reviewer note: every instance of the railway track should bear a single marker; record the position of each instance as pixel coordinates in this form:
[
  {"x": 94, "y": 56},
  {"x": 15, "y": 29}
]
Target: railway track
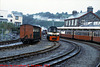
[
  {"x": 55, "y": 56},
  {"x": 62, "y": 51},
  {"x": 58, "y": 57},
  {"x": 15, "y": 58},
  {"x": 89, "y": 53}
]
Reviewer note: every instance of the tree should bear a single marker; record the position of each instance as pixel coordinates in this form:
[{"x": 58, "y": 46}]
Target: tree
[
  {"x": 8, "y": 26},
  {"x": 27, "y": 19}
]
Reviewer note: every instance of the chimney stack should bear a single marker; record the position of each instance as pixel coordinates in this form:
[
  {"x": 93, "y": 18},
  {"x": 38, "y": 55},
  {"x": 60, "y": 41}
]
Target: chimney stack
[
  {"x": 74, "y": 12},
  {"x": 90, "y": 9}
]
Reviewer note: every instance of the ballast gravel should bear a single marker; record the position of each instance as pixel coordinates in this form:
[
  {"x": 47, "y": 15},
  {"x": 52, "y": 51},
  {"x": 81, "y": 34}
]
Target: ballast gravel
[{"x": 88, "y": 57}]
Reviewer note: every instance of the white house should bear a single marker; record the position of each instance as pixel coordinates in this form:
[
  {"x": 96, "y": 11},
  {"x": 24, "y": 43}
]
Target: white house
[
  {"x": 3, "y": 16},
  {"x": 16, "y": 18}
]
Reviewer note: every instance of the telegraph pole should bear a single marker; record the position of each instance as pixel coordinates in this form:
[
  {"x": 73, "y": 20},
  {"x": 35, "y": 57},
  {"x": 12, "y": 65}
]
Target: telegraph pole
[
  {"x": 53, "y": 23},
  {"x": 2, "y": 34}
]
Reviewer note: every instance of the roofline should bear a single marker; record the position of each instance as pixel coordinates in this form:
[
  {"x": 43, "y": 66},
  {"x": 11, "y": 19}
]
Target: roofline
[
  {"x": 91, "y": 28},
  {"x": 96, "y": 15},
  {"x": 82, "y": 16},
  {"x": 30, "y": 25}
]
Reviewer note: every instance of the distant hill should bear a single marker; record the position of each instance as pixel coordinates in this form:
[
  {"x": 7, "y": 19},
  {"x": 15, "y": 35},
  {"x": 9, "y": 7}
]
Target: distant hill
[
  {"x": 51, "y": 15},
  {"x": 47, "y": 19},
  {"x": 28, "y": 19},
  {"x": 52, "y": 19}
]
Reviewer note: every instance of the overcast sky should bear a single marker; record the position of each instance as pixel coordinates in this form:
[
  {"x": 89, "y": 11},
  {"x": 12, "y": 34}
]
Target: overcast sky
[{"x": 53, "y": 6}]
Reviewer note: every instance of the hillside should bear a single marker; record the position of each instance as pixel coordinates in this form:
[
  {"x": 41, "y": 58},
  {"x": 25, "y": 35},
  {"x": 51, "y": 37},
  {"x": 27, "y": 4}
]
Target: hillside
[{"x": 47, "y": 19}]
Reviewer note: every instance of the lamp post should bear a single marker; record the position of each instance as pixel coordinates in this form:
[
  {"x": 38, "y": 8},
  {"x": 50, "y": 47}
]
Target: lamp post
[
  {"x": 2, "y": 34},
  {"x": 53, "y": 23}
]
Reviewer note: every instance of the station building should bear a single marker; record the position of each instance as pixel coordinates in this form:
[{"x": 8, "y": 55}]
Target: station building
[{"x": 78, "y": 19}]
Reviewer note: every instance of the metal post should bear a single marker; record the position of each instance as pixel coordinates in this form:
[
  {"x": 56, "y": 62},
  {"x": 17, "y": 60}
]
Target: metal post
[
  {"x": 2, "y": 34},
  {"x": 52, "y": 22}
]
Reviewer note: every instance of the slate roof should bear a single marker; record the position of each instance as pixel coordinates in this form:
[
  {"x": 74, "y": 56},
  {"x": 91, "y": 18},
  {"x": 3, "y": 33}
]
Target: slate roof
[
  {"x": 9, "y": 15},
  {"x": 15, "y": 13},
  {"x": 77, "y": 15},
  {"x": 3, "y": 19}
]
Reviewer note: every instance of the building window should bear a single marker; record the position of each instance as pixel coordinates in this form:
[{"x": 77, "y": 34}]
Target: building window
[
  {"x": 17, "y": 23},
  {"x": 1, "y": 16},
  {"x": 72, "y": 22},
  {"x": 66, "y": 23},
  {"x": 97, "y": 23},
  {"x": 75, "y": 22},
  {"x": 16, "y": 17},
  {"x": 10, "y": 20},
  {"x": 82, "y": 22},
  {"x": 69, "y": 22}
]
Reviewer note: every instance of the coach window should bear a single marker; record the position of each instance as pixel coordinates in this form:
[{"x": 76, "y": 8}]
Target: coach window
[
  {"x": 96, "y": 33},
  {"x": 99, "y": 33}
]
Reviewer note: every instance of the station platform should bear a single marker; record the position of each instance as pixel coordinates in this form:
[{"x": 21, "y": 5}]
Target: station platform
[
  {"x": 9, "y": 45},
  {"x": 42, "y": 45}
]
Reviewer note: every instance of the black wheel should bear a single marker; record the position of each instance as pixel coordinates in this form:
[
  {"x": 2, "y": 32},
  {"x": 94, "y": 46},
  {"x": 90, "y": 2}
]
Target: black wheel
[{"x": 24, "y": 42}]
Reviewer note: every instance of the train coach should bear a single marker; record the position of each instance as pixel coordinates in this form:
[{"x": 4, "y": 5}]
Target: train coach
[
  {"x": 30, "y": 34},
  {"x": 52, "y": 34},
  {"x": 81, "y": 33}
]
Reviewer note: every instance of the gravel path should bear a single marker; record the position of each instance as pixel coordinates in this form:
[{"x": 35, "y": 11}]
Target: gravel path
[
  {"x": 88, "y": 57},
  {"x": 32, "y": 48}
]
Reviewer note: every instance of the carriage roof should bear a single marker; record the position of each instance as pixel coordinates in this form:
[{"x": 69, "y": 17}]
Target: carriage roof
[{"x": 88, "y": 28}]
